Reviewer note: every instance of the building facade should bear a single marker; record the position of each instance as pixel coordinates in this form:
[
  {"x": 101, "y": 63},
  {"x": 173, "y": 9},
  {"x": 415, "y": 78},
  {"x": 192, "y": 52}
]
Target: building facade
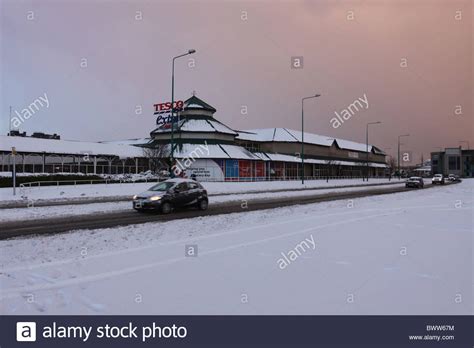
[
  {"x": 199, "y": 146},
  {"x": 453, "y": 161},
  {"x": 41, "y": 155},
  {"x": 207, "y": 149}
]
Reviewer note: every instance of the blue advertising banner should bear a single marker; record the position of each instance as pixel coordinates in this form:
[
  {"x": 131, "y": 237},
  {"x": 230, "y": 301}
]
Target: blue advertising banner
[{"x": 231, "y": 168}]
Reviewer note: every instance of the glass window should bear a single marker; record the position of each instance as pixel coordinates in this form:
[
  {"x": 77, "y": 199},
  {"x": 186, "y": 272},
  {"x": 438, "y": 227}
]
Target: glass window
[
  {"x": 454, "y": 163},
  {"x": 162, "y": 186},
  {"x": 182, "y": 186}
]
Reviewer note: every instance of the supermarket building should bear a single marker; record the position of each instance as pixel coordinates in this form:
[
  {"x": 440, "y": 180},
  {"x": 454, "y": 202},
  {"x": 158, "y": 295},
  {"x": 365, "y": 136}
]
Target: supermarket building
[
  {"x": 203, "y": 146},
  {"x": 259, "y": 154}
]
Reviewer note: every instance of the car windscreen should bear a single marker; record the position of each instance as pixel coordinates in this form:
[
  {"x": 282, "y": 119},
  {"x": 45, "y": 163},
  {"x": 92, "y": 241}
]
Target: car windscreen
[{"x": 162, "y": 186}]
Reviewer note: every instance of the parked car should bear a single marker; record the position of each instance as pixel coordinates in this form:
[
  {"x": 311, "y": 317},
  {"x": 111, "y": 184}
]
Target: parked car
[
  {"x": 170, "y": 194},
  {"x": 415, "y": 181},
  {"x": 438, "y": 179},
  {"x": 453, "y": 177}
]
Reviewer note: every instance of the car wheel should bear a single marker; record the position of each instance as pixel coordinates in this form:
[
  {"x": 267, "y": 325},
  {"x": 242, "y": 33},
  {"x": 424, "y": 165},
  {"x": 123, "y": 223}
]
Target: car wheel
[
  {"x": 203, "y": 204},
  {"x": 166, "y": 208}
]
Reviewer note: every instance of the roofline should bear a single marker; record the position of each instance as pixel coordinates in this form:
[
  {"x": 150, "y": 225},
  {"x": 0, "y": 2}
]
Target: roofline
[{"x": 305, "y": 142}]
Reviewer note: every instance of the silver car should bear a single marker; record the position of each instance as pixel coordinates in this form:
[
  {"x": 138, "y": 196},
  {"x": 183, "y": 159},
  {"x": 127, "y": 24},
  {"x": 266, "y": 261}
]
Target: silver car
[{"x": 438, "y": 179}]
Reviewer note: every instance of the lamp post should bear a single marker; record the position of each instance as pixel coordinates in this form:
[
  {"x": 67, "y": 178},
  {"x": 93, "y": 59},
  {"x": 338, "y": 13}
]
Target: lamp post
[
  {"x": 14, "y": 153},
  {"x": 302, "y": 134},
  {"x": 464, "y": 141},
  {"x": 390, "y": 162},
  {"x": 367, "y": 147},
  {"x": 398, "y": 163},
  {"x": 191, "y": 51}
]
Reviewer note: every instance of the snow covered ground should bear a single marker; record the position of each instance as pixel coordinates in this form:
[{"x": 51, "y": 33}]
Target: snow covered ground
[
  {"x": 34, "y": 213},
  {"x": 405, "y": 253},
  {"x": 124, "y": 189}
]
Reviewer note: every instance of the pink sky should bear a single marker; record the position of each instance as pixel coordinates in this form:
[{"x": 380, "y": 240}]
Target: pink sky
[{"x": 244, "y": 63}]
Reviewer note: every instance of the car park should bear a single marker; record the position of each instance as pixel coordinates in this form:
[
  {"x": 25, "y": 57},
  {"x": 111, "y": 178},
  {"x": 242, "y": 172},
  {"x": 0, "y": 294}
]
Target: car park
[
  {"x": 438, "y": 179},
  {"x": 415, "y": 182},
  {"x": 171, "y": 194}
]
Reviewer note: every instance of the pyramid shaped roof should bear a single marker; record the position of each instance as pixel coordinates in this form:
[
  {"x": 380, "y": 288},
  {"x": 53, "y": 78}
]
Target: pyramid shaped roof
[{"x": 199, "y": 104}]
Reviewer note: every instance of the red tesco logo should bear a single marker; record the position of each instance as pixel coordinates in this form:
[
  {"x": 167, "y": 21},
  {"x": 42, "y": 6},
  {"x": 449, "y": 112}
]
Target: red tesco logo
[{"x": 164, "y": 107}]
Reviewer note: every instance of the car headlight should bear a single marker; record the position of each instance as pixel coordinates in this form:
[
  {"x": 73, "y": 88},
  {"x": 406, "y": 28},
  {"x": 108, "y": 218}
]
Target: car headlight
[
  {"x": 135, "y": 197},
  {"x": 155, "y": 198}
]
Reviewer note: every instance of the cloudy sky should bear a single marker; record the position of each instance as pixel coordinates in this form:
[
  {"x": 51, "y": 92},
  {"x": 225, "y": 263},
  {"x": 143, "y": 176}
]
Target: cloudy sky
[{"x": 103, "y": 64}]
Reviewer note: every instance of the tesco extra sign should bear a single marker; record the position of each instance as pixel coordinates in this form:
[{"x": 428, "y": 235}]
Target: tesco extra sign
[
  {"x": 165, "y": 120},
  {"x": 166, "y": 107}
]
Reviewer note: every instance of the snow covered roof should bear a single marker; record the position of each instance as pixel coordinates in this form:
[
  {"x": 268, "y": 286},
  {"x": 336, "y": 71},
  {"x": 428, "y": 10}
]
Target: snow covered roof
[
  {"x": 267, "y": 134},
  {"x": 68, "y": 147},
  {"x": 138, "y": 141},
  {"x": 266, "y": 156},
  {"x": 290, "y": 135},
  {"x": 211, "y": 151},
  {"x": 238, "y": 152},
  {"x": 196, "y": 103},
  {"x": 207, "y": 125},
  {"x": 197, "y": 151}
]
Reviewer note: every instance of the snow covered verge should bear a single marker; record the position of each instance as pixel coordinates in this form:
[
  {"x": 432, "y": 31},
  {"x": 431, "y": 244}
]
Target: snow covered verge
[
  {"x": 404, "y": 253},
  {"x": 124, "y": 189},
  {"x": 34, "y": 213},
  {"x": 148, "y": 175}
]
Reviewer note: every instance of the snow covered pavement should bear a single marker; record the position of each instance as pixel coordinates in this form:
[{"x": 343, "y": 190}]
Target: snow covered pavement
[{"x": 405, "y": 253}]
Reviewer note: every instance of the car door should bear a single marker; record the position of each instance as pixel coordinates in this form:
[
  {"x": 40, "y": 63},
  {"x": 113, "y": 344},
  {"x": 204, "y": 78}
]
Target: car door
[
  {"x": 193, "y": 192},
  {"x": 181, "y": 194}
]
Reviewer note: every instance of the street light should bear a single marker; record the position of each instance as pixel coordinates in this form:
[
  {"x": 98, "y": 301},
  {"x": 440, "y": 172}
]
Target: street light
[
  {"x": 464, "y": 141},
  {"x": 302, "y": 134},
  {"x": 367, "y": 147},
  {"x": 398, "y": 163},
  {"x": 191, "y": 51}
]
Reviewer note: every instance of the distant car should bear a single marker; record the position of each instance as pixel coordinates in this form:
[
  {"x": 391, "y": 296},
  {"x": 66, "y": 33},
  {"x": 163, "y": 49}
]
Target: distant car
[
  {"x": 438, "y": 179},
  {"x": 170, "y": 194},
  {"x": 415, "y": 181},
  {"x": 453, "y": 178}
]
